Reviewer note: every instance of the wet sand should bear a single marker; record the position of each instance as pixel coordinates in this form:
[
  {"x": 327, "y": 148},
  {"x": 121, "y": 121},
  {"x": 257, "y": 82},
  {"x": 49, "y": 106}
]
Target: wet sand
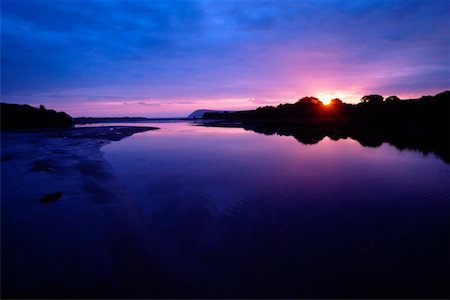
[{"x": 69, "y": 228}]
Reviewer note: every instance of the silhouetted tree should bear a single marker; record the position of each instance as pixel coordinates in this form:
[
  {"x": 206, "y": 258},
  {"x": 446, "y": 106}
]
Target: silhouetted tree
[
  {"x": 312, "y": 100},
  {"x": 426, "y": 98},
  {"x": 372, "y": 99},
  {"x": 336, "y": 101},
  {"x": 392, "y": 99}
]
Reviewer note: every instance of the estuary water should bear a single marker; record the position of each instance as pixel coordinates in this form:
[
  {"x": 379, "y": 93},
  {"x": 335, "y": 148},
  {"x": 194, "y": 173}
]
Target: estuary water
[{"x": 238, "y": 214}]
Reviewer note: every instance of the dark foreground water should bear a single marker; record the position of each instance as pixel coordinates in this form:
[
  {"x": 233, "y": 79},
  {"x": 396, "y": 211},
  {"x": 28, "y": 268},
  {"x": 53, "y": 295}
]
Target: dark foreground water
[{"x": 233, "y": 213}]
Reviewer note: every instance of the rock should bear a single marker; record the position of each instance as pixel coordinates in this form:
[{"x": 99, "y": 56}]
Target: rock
[{"x": 51, "y": 197}]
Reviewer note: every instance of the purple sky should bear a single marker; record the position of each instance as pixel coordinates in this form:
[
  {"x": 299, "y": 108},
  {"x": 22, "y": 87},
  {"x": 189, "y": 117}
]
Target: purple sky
[{"x": 168, "y": 58}]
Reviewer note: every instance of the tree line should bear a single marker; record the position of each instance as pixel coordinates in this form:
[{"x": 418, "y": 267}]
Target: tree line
[{"x": 372, "y": 108}]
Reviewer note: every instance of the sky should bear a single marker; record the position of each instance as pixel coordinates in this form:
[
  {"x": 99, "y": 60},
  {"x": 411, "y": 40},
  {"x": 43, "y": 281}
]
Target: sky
[{"x": 169, "y": 58}]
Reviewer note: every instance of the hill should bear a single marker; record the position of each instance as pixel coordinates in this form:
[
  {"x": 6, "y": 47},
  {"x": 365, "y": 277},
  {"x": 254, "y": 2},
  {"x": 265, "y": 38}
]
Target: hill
[
  {"x": 15, "y": 116},
  {"x": 199, "y": 113}
]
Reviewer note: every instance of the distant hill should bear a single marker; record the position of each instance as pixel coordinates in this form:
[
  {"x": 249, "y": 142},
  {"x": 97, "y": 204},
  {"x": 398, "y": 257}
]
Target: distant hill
[
  {"x": 198, "y": 114},
  {"x": 15, "y": 116}
]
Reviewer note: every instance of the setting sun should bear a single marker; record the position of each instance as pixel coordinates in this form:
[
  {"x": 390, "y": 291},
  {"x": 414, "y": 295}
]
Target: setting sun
[
  {"x": 327, "y": 96},
  {"x": 326, "y": 101}
]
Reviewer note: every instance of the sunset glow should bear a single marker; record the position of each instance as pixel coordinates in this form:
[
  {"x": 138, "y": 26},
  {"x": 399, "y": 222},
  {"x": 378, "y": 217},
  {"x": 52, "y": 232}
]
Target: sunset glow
[
  {"x": 326, "y": 97},
  {"x": 168, "y": 58}
]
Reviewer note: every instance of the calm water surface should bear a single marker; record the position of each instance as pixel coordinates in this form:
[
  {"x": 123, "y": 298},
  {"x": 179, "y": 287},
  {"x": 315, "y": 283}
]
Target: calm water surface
[{"x": 241, "y": 214}]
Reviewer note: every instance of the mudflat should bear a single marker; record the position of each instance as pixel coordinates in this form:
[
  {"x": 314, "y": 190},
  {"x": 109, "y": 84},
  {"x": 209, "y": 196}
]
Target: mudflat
[{"x": 69, "y": 227}]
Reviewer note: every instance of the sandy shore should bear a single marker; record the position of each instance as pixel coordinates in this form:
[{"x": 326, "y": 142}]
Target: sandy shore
[{"x": 93, "y": 240}]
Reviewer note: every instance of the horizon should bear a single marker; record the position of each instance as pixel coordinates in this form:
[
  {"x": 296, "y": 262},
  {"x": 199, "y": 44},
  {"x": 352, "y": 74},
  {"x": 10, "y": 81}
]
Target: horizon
[
  {"x": 167, "y": 59},
  {"x": 325, "y": 103}
]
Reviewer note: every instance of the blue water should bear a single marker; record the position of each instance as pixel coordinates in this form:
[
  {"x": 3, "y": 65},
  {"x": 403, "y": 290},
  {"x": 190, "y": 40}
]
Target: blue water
[{"x": 235, "y": 213}]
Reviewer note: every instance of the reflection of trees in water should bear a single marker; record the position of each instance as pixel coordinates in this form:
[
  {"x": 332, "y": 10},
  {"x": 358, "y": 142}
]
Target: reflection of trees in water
[
  {"x": 418, "y": 124},
  {"x": 423, "y": 140}
]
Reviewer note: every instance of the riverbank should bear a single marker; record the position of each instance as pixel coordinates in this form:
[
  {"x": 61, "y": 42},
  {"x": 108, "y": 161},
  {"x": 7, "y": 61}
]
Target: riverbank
[{"x": 69, "y": 227}]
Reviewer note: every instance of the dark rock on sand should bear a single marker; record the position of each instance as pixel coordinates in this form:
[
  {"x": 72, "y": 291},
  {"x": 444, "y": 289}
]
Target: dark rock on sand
[{"x": 51, "y": 197}]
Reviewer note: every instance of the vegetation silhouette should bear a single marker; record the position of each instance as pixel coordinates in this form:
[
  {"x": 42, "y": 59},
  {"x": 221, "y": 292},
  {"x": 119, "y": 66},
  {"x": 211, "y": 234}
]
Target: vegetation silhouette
[
  {"x": 15, "y": 116},
  {"x": 418, "y": 124}
]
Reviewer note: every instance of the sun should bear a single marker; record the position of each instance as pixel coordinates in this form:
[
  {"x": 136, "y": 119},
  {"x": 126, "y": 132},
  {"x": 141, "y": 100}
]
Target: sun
[
  {"x": 326, "y": 101},
  {"x": 327, "y": 96}
]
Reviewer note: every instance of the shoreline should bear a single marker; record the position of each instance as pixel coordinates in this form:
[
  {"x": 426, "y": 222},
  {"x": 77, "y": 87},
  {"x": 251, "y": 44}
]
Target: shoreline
[{"x": 93, "y": 241}]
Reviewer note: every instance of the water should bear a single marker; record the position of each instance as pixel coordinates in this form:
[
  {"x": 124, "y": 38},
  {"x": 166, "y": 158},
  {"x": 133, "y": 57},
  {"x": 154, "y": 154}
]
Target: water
[{"x": 235, "y": 213}]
